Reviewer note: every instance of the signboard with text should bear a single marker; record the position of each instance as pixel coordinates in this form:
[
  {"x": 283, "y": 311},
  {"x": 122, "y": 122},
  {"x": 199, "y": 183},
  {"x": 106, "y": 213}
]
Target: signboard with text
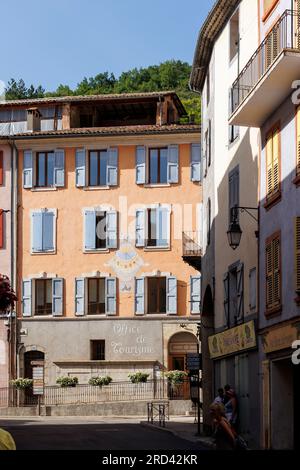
[{"x": 38, "y": 380}]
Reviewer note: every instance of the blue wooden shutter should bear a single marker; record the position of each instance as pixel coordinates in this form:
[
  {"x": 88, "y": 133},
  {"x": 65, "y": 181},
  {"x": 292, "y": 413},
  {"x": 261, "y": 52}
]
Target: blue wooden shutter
[
  {"x": 37, "y": 232},
  {"x": 28, "y": 169},
  {"x": 139, "y": 303},
  {"x": 27, "y": 297},
  {"x": 80, "y": 171},
  {"x": 171, "y": 295},
  {"x": 59, "y": 169},
  {"x": 140, "y": 235},
  {"x": 111, "y": 229},
  {"x": 79, "y": 296},
  {"x": 163, "y": 226},
  {"x": 140, "y": 165},
  {"x": 57, "y": 296},
  {"x": 48, "y": 231},
  {"x": 112, "y": 167},
  {"x": 90, "y": 230},
  {"x": 195, "y": 294},
  {"x": 110, "y": 295},
  {"x": 195, "y": 162},
  {"x": 173, "y": 157}
]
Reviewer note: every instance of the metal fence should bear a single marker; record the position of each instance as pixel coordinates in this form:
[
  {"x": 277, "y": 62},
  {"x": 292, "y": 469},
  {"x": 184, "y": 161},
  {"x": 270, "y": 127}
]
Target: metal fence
[
  {"x": 84, "y": 394},
  {"x": 285, "y": 34}
]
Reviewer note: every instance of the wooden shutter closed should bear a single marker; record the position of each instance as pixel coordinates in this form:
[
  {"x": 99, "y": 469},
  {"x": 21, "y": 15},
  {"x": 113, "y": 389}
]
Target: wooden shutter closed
[
  {"x": 276, "y": 150},
  {"x": 273, "y": 162},
  {"x": 273, "y": 274},
  {"x": 269, "y": 276},
  {"x": 297, "y": 253}
]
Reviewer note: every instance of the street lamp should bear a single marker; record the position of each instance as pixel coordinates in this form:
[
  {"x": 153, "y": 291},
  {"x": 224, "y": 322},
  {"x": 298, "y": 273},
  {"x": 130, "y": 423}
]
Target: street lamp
[{"x": 235, "y": 232}]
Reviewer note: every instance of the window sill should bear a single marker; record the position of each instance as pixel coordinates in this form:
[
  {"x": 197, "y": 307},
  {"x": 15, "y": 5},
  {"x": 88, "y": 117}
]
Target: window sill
[
  {"x": 157, "y": 248},
  {"x": 35, "y": 253},
  {"x": 96, "y": 188},
  {"x": 272, "y": 200},
  {"x": 41, "y": 190},
  {"x": 158, "y": 185},
  {"x": 270, "y": 10},
  {"x": 104, "y": 250},
  {"x": 296, "y": 180},
  {"x": 273, "y": 312}
]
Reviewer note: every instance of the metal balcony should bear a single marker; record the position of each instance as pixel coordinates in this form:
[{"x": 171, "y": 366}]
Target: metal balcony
[
  {"x": 191, "y": 249},
  {"x": 266, "y": 80}
]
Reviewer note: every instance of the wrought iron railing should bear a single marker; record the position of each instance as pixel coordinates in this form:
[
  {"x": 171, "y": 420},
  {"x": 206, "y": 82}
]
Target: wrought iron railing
[
  {"x": 285, "y": 34},
  {"x": 191, "y": 244},
  {"x": 159, "y": 389}
]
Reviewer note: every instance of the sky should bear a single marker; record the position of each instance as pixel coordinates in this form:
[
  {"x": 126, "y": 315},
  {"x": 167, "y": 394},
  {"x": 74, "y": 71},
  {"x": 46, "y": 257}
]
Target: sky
[{"x": 50, "y": 42}]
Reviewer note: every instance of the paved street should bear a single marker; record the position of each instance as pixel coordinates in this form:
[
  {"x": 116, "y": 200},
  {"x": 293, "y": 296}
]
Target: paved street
[{"x": 67, "y": 433}]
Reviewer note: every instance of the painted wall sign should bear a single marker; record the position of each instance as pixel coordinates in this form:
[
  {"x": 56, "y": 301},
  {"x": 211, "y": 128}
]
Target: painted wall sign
[
  {"x": 236, "y": 339},
  {"x": 279, "y": 338}
]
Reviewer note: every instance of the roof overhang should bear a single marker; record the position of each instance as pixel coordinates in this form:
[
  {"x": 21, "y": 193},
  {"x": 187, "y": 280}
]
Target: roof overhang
[{"x": 208, "y": 34}]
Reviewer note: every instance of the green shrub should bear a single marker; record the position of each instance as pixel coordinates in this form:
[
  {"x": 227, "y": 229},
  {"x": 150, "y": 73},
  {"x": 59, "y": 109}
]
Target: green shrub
[
  {"x": 21, "y": 384},
  {"x": 67, "y": 381},
  {"x": 100, "y": 381},
  {"x": 176, "y": 377},
  {"x": 138, "y": 377}
]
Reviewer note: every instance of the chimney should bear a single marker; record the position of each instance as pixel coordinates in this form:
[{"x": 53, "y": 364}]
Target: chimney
[{"x": 33, "y": 120}]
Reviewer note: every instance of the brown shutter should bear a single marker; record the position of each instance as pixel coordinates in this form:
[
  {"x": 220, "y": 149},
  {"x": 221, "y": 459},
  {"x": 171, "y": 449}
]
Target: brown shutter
[
  {"x": 276, "y": 272},
  {"x": 276, "y": 160},
  {"x": 1, "y": 167},
  {"x": 269, "y": 164},
  {"x": 1, "y": 229},
  {"x": 269, "y": 276},
  {"x": 297, "y": 253}
]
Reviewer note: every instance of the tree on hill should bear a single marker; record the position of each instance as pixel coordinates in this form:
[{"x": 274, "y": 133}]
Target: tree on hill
[{"x": 169, "y": 75}]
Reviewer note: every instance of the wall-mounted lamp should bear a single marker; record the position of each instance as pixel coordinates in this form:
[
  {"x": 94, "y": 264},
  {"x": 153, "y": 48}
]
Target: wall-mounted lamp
[{"x": 235, "y": 232}]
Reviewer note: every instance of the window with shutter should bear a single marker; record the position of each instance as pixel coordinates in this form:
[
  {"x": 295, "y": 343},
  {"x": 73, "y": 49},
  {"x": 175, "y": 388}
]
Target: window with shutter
[
  {"x": 273, "y": 274},
  {"x": 297, "y": 254},
  {"x": 158, "y": 227},
  {"x": 196, "y": 162},
  {"x": 43, "y": 231},
  {"x": 100, "y": 228},
  {"x": 273, "y": 164},
  {"x": 234, "y": 191}
]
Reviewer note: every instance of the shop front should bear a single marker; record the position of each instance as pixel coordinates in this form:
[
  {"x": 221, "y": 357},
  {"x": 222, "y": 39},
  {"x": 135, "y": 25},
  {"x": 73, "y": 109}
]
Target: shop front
[{"x": 280, "y": 387}]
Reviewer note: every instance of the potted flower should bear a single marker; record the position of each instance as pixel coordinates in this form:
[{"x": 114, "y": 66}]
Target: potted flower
[
  {"x": 7, "y": 295},
  {"x": 67, "y": 381},
  {"x": 100, "y": 381},
  {"x": 138, "y": 377},
  {"x": 176, "y": 377},
  {"x": 22, "y": 384}
]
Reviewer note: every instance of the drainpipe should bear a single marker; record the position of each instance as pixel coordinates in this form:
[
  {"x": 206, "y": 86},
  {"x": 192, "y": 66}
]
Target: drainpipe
[{"x": 13, "y": 234}]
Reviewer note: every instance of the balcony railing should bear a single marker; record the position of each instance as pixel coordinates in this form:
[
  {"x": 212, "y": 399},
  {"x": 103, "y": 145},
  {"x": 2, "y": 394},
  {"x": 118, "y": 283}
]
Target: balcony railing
[
  {"x": 285, "y": 34},
  {"x": 191, "y": 244}
]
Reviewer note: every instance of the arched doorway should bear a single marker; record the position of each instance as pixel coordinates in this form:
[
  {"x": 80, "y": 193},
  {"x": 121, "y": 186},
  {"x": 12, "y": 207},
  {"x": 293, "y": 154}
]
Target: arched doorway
[
  {"x": 29, "y": 358},
  {"x": 207, "y": 329},
  {"x": 180, "y": 345}
]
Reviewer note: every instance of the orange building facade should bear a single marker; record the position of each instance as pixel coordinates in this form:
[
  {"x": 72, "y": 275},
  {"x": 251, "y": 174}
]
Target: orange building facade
[{"x": 109, "y": 239}]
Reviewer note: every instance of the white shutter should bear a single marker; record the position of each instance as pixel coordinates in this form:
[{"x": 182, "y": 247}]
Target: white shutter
[
  {"x": 111, "y": 229},
  {"x": 112, "y": 167},
  {"x": 173, "y": 165},
  {"x": 27, "y": 297},
  {"x": 59, "y": 169},
  {"x": 79, "y": 296},
  {"x": 139, "y": 305},
  {"x": 80, "y": 168},
  {"x": 171, "y": 295},
  {"x": 57, "y": 296},
  {"x": 28, "y": 169},
  {"x": 111, "y": 296},
  {"x": 140, "y": 227},
  {"x": 195, "y": 294},
  {"x": 140, "y": 167}
]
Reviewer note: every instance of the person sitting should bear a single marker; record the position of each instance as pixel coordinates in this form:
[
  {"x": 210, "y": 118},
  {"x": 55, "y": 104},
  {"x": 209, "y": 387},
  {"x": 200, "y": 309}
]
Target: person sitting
[{"x": 220, "y": 397}]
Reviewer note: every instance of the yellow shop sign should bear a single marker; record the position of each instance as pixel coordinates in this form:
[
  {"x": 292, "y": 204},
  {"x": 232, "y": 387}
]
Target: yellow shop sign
[{"x": 236, "y": 339}]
